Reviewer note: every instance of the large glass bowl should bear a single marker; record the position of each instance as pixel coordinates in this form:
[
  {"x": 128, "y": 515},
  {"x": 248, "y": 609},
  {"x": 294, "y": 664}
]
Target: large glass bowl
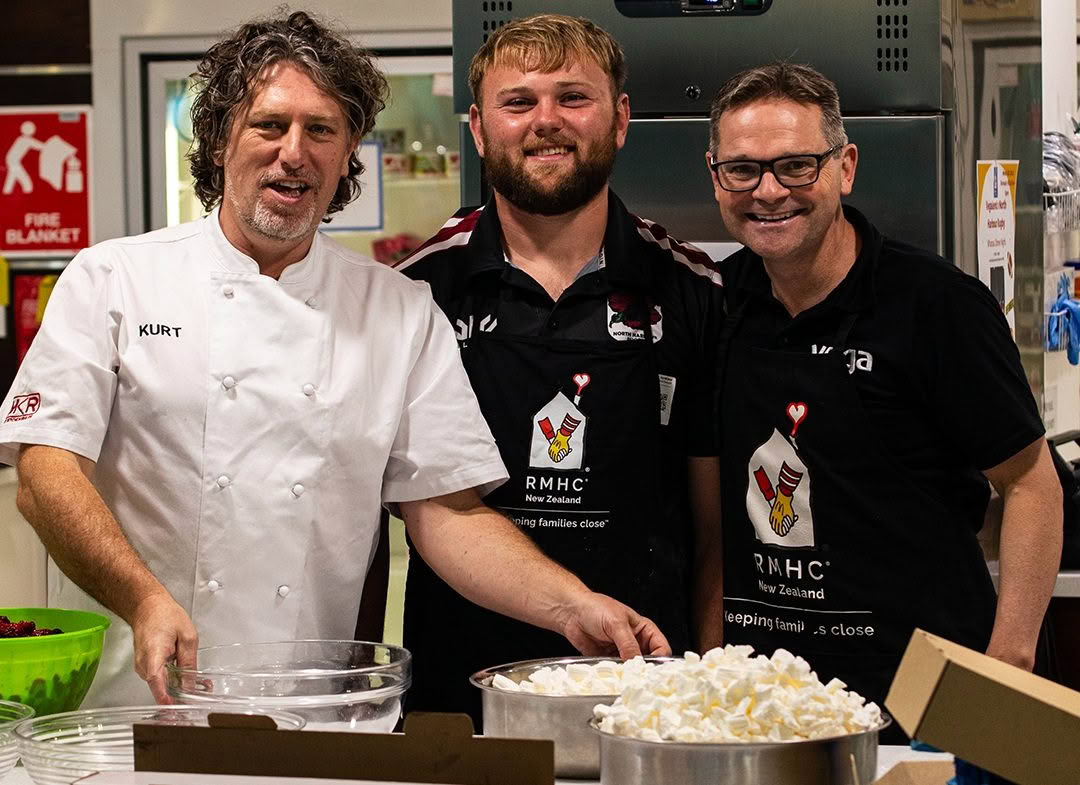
[
  {"x": 11, "y": 714},
  {"x": 62, "y": 748},
  {"x": 51, "y": 673},
  {"x": 334, "y": 685}
]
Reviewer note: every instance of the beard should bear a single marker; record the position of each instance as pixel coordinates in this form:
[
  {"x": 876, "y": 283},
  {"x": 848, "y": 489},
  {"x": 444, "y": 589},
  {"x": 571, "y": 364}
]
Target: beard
[
  {"x": 274, "y": 225},
  {"x": 588, "y": 177}
]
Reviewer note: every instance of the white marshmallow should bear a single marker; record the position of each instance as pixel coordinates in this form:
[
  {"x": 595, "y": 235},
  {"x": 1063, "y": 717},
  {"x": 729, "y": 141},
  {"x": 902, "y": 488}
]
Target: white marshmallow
[{"x": 729, "y": 694}]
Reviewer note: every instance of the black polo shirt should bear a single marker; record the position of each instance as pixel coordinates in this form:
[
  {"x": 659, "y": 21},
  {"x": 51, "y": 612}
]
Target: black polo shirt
[
  {"x": 465, "y": 263},
  {"x": 930, "y": 353}
]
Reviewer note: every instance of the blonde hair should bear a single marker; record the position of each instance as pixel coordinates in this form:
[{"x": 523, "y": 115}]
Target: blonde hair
[{"x": 545, "y": 43}]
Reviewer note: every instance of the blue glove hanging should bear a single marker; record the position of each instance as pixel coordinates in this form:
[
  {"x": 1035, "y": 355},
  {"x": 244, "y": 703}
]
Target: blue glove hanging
[
  {"x": 1063, "y": 323},
  {"x": 1071, "y": 324}
]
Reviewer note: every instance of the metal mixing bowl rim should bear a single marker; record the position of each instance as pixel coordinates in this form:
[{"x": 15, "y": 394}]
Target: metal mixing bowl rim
[
  {"x": 546, "y": 662},
  {"x": 594, "y": 726},
  {"x": 314, "y": 673}
]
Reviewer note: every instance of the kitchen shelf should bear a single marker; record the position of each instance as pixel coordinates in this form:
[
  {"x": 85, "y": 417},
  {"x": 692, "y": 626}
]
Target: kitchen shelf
[{"x": 1062, "y": 210}]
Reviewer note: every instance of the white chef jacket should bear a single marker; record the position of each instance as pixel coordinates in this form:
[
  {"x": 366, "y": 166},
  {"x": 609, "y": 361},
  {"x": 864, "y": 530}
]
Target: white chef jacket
[{"x": 246, "y": 430}]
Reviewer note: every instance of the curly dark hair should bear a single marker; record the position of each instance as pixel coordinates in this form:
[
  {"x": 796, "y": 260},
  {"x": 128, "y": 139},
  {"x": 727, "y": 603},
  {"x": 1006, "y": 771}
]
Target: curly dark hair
[{"x": 229, "y": 73}]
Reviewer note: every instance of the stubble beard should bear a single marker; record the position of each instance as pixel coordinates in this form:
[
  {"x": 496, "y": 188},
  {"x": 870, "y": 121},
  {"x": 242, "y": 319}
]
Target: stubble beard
[
  {"x": 576, "y": 189},
  {"x": 273, "y": 225}
]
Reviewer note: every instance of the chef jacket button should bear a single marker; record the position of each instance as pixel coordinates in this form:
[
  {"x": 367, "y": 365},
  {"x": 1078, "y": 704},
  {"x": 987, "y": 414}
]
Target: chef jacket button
[
  {"x": 298, "y": 490},
  {"x": 228, "y": 382},
  {"x": 283, "y": 590},
  {"x": 223, "y": 481},
  {"x": 227, "y": 290},
  {"x": 309, "y": 390},
  {"x": 213, "y": 585}
]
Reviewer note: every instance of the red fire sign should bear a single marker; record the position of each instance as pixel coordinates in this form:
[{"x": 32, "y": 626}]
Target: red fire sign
[{"x": 44, "y": 180}]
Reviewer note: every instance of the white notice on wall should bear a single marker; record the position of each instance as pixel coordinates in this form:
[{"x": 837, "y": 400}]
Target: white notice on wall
[
  {"x": 366, "y": 211},
  {"x": 996, "y": 232}
]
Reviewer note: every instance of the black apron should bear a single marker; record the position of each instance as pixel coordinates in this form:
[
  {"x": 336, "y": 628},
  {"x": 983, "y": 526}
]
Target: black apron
[
  {"x": 830, "y": 549},
  {"x": 578, "y": 427}
]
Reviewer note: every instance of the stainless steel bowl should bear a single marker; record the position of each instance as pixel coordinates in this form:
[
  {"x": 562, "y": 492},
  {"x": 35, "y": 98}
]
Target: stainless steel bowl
[
  {"x": 833, "y": 761},
  {"x": 522, "y": 715}
]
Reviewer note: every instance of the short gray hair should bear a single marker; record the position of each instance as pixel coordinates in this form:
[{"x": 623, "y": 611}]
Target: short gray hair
[{"x": 785, "y": 81}]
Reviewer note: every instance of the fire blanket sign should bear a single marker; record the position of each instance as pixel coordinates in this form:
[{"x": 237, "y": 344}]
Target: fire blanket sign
[{"x": 44, "y": 180}]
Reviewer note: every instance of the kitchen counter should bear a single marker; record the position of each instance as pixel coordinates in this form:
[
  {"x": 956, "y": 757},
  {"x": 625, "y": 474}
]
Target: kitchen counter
[{"x": 888, "y": 756}]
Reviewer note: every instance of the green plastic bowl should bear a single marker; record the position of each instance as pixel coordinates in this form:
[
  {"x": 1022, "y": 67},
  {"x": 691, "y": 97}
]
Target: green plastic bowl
[{"x": 51, "y": 673}]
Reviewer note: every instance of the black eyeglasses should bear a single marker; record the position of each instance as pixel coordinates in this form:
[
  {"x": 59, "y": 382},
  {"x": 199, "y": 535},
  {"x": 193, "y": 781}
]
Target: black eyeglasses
[{"x": 791, "y": 171}]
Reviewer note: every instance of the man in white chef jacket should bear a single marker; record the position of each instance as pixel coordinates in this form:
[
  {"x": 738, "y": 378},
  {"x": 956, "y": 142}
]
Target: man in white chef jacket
[{"x": 212, "y": 414}]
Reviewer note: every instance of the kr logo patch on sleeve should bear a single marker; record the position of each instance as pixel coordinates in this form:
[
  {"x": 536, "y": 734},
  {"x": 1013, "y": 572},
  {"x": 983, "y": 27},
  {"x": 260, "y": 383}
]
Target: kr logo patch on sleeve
[{"x": 23, "y": 407}]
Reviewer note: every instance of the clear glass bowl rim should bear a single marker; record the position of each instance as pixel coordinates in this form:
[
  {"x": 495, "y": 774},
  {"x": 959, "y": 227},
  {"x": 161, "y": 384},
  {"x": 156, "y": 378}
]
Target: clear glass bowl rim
[
  {"x": 26, "y": 713},
  {"x": 119, "y": 716},
  {"x": 405, "y": 663}
]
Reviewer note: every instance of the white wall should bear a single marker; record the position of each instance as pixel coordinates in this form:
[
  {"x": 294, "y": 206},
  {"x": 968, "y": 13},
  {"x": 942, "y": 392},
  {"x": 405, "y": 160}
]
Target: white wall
[
  {"x": 1058, "y": 64},
  {"x": 22, "y": 557},
  {"x": 111, "y": 21}
]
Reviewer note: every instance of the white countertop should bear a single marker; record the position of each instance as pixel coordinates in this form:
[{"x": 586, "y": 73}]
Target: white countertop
[{"x": 888, "y": 756}]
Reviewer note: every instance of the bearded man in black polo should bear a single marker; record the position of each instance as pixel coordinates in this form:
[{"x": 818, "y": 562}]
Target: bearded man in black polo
[{"x": 588, "y": 335}]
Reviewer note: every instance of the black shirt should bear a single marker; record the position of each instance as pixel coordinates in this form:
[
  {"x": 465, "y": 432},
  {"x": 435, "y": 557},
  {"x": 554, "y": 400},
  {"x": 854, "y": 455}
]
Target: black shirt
[
  {"x": 466, "y": 258},
  {"x": 479, "y": 290},
  {"x": 930, "y": 352}
]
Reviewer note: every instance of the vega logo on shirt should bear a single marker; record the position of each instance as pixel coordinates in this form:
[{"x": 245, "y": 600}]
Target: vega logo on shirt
[
  {"x": 158, "y": 329},
  {"x": 562, "y": 447},
  {"x": 857, "y": 359},
  {"x": 23, "y": 407}
]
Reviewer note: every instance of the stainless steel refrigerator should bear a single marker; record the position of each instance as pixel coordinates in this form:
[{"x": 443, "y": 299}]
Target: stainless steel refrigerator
[{"x": 885, "y": 56}]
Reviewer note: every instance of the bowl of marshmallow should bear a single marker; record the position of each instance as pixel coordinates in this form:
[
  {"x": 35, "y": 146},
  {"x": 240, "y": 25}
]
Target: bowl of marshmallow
[
  {"x": 725, "y": 716},
  {"x": 730, "y": 716},
  {"x": 554, "y": 699}
]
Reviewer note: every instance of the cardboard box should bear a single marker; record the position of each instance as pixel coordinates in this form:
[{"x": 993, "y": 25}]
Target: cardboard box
[
  {"x": 435, "y": 748},
  {"x": 918, "y": 773},
  {"x": 1017, "y": 725}
]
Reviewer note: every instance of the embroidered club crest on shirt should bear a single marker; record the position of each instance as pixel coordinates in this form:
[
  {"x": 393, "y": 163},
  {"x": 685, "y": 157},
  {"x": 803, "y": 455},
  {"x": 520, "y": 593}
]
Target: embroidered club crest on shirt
[
  {"x": 23, "y": 407},
  {"x": 624, "y": 318},
  {"x": 558, "y": 440},
  {"x": 778, "y": 494}
]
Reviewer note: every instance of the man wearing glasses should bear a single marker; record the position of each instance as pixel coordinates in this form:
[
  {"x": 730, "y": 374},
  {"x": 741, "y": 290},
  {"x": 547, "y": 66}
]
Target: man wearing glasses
[{"x": 870, "y": 390}]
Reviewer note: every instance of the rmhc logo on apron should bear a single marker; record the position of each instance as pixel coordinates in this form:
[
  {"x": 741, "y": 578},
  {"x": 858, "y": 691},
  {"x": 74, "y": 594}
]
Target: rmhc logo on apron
[
  {"x": 558, "y": 440},
  {"x": 778, "y": 495}
]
